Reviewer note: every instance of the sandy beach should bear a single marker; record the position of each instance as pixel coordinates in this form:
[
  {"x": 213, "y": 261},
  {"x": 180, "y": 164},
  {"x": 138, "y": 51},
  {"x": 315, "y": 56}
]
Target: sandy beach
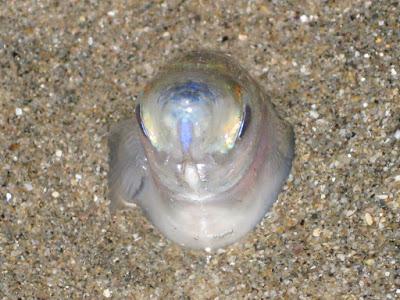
[{"x": 69, "y": 70}]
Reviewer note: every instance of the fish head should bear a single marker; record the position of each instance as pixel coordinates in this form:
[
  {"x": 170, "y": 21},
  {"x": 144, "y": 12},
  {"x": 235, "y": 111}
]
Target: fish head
[{"x": 199, "y": 130}]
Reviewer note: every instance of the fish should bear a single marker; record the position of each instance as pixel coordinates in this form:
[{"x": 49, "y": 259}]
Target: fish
[{"x": 204, "y": 156}]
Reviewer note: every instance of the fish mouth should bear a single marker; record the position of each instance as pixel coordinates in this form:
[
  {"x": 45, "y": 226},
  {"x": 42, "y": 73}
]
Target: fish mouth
[{"x": 196, "y": 181}]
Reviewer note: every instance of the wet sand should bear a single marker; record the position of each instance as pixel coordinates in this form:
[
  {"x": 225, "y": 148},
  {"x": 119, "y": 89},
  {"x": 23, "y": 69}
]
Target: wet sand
[{"x": 70, "y": 70}]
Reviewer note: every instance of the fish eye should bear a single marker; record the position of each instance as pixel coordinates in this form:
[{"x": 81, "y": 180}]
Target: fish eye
[
  {"x": 139, "y": 120},
  {"x": 246, "y": 121}
]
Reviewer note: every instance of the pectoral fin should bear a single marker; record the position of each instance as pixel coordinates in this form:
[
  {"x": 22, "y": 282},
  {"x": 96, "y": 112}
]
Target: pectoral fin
[{"x": 127, "y": 165}]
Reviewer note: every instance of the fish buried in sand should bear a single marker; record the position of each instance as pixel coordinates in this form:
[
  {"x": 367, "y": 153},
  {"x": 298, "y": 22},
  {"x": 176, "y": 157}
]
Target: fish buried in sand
[{"x": 206, "y": 155}]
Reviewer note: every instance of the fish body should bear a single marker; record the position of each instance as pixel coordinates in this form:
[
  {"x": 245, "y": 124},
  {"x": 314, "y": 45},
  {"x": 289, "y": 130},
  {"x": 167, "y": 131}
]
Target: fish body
[{"x": 206, "y": 155}]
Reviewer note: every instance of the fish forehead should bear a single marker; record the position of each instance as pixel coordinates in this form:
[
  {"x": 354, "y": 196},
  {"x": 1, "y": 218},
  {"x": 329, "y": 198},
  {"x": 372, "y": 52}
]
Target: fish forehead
[
  {"x": 190, "y": 90},
  {"x": 185, "y": 101}
]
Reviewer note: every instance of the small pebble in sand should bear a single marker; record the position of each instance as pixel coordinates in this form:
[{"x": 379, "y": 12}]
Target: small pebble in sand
[
  {"x": 314, "y": 114},
  {"x": 370, "y": 262},
  {"x": 349, "y": 213},
  {"x": 303, "y": 19},
  {"x": 397, "y": 134},
  {"x": 242, "y": 37},
  {"x": 55, "y": 194},
  {"x": 111, "y": 13},
  {"x": 8, "y": 197},
  {"x": 107, "y": 293},
  {"x": 341, "y": 256},
  {"x": 90, "y": 41},
  {"x": 304, "y": 70},
  {"x": 316, "y": 232},
  {"x": 28, "y": 186},
  {"x": 368, "y": 219}
]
